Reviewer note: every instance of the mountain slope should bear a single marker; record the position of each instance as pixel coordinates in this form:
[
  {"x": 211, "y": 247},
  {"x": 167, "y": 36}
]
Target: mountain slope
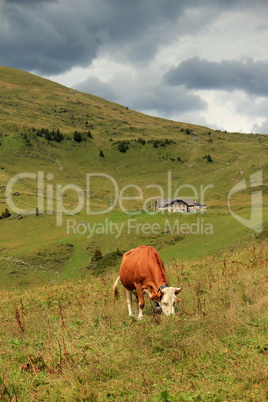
[
  {"x": 29, "y": 100},
  {"x": 54, "y": 136}
]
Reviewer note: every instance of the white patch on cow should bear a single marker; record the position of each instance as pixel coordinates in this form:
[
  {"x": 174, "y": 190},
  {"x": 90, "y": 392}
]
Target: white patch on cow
[
  {"x": 169, "y": 299},
  {"x": 129, "y": 301}
]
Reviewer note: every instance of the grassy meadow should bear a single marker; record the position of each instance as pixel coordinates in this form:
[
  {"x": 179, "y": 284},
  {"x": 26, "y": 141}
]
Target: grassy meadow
[
  {"x": 79, "y": 177},
  {"x": 69, "y": 341}
]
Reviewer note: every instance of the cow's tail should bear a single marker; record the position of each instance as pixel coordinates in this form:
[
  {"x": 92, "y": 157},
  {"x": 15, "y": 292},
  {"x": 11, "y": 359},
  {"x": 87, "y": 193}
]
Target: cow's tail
[{"x": 115, "y": 291}]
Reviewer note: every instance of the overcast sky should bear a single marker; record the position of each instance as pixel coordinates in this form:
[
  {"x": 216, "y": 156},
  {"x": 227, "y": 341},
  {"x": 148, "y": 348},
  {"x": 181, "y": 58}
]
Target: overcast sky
[{"x": 198, "y": 61}]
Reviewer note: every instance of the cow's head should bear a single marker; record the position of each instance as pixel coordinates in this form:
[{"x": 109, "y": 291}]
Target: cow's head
[{"x": 168, "y": 299}]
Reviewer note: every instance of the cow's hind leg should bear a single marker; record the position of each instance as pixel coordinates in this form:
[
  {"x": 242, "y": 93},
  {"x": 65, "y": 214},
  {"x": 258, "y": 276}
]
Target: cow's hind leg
[
  {"x": 137, "y": 307},
  {"x": 129, "y": 301}
]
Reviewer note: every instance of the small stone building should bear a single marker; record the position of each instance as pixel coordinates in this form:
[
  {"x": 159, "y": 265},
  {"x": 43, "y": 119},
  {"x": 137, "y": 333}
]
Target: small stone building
[{"x": 179, "y": 205}]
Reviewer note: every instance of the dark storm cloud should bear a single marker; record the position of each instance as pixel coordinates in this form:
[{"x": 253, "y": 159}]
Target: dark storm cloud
[
  {"x": 52, "y": 36},
  {"x": 250, "y": 77},
  {"x": 32, "y": 2},
  {"x": 43, "y": 38}
]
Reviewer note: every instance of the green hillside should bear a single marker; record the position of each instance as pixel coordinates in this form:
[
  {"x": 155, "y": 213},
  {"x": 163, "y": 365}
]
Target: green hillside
[{"x": 53, "y": 136}]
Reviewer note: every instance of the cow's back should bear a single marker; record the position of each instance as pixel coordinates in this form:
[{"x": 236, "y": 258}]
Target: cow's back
[{"x": 141, "y": 265}]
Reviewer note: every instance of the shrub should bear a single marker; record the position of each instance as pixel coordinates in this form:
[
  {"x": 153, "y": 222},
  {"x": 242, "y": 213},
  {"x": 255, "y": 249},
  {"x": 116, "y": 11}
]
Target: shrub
[
  {"x": 57, "y": 135},
  {"x": 141, "y": 141},
  {"x": 208, "y": 158},
  {"x": 5, "y": 214},
  {"x": 77, "y": 136},
  {"x": 49, "y": 135},
  {"x": 122, "y": 146},
  {"x": 97, "y": 255},
  {"x": 161, "y": 143}
]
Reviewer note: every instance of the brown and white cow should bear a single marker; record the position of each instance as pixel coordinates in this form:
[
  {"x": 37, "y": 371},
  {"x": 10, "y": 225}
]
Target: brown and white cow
[{"x": 142, "y": 271}]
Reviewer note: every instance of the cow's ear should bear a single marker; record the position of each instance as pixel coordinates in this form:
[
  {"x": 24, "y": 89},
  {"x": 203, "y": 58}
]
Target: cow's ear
[
  {"x": 156, "y": 296},
  {"x": 177, "y": 290}
]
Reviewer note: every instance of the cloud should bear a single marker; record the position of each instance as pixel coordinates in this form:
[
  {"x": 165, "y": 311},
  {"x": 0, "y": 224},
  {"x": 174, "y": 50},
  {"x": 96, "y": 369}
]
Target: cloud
[
  {"x": 95, "y": 86},
  {"x": 53, "y": 36},
  {"x": 44, "y": 38},
  {"x": 165, "y": 101},
  {"x": 261, "y": 128},
  {"x": 196, "y": 73},
  {"x": 152, "y": 97},
  {"x": 32, "y": 2}
]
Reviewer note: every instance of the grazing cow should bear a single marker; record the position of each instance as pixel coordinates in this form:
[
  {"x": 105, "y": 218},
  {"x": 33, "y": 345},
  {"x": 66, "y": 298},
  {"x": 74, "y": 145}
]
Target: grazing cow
[{"x": 142, "y": 271}]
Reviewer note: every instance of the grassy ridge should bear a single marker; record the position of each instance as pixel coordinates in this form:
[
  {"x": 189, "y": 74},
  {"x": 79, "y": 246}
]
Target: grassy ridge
[{"x": 70, "y": 342}]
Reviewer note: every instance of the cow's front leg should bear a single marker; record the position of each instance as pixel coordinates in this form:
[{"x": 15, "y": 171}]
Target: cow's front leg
[
  {"x": 140, "y": 300},
  {"x": 129, "y": 301},
  {"x": 138, "y": 311}
]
